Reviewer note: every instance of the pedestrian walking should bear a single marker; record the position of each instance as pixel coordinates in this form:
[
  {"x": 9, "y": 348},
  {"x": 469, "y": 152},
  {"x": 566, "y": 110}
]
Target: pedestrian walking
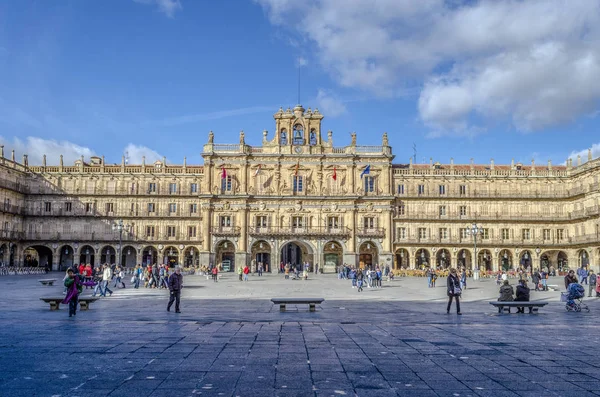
[
  {"x": 175, "y": 286},
  {"x": 215, "y": 273},
  {"x": 463, "y": 279},
  {"x": 106, "y": 277},
  {"x": 246, "y": 271},
  {"x": 454, "y": 291},
  {"x": 74, "y": 287},
  {"x": 240, "y": 272},
  {"x": 593, "y": 281},
  {"x": 535, "y": 278}
]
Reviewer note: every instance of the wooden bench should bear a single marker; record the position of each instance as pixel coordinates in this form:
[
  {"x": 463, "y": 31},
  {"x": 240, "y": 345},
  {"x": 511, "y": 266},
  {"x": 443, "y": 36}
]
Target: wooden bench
[
  {"x": 311, "y": 302},
  {"x": 532, "y": 306},
  {"x": 84, "y": 302},
  {"x": 49, "y": 281}
]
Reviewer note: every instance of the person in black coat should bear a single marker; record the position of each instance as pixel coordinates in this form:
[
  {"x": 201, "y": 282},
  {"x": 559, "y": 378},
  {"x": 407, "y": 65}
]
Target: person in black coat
[
  {"x": 522, "y": 294},
  {"x": 454, "y": 291}
]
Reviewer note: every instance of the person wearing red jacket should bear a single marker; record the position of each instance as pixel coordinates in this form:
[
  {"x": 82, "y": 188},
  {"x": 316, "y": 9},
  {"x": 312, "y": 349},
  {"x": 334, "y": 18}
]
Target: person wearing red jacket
[{"x": 246, "y": 271}]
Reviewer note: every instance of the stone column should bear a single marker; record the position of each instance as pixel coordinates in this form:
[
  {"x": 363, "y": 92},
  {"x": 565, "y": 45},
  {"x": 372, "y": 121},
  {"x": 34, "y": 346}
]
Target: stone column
[{"x": 55, "y": 259}]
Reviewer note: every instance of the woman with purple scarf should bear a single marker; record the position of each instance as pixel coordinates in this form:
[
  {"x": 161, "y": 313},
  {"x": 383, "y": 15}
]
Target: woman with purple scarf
[{"x": 74, "y": 287}]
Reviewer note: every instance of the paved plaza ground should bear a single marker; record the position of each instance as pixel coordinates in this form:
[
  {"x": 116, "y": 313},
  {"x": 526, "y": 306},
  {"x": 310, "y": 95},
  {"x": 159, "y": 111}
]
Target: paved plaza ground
[{"x": 230, "y": 340}]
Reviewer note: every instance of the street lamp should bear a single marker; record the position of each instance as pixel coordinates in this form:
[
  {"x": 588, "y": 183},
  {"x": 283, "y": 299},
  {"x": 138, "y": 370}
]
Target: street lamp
[
  {"x": 119, "y": 226},
  {"x": 474, "y": 231}
]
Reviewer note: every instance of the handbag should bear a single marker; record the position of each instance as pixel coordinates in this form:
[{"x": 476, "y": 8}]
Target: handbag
[
  {"x": 457, "y": 291},
  {"x": 132, "y": 279}
]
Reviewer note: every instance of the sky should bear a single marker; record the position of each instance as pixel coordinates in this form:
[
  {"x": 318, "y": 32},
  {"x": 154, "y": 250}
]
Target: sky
[{"x": 461, "y": 79}]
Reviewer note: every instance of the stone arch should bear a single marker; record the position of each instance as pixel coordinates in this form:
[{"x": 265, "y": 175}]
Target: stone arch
[
  {"x": 128, "y": 256},
  {"x": 402, "y": 257},
  {"x": 225, "y": 254},
  {"x": 583, "y": 258},
  {"x": 557, "y": 259},
  {"x": 66, "y": 256},
  {"x": 171, "y": 256},
  {"x": 443, "y": 258},
  {"x": 108, "y": 255},
  {"x": 333, "y": 254},
  {"x": 525, "y": 258},
  {"x": 191, "y": 256},
  {"x": 505, "y": 260},
  {"x": 87, "y": 254},
  {"x": 297, "y": 252},
  {"x": 484, "y": 260},
  {"x": 422, "y": 258},
  {"x": 38, "y": 255},
  {"x": 261, "y": 254},
  {"x": 464, "y": 259},
  {"x": 368, "y": 254},
  {"x": 149, "y": 255}
]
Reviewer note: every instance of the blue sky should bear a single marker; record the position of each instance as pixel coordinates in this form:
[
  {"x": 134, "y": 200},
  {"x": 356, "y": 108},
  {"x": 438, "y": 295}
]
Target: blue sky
[{"x": 152, "y": 77}]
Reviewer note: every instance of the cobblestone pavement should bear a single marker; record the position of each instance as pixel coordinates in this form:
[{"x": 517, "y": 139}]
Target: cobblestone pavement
[{"x": 230, "y": 340}]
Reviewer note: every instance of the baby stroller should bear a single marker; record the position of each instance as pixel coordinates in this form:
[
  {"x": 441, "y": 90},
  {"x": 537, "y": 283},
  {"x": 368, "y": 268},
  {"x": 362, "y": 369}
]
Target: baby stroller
[{"x": 574, "y": 298}]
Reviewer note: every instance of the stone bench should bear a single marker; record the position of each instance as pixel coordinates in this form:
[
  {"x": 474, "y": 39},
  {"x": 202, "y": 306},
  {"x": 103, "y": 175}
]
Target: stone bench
[
  {"x": 49, "y": 281},
  {"x": 84, "y": 302},
  {"x": 532, "y": 306},
  {"x": 311, "y": 302}
]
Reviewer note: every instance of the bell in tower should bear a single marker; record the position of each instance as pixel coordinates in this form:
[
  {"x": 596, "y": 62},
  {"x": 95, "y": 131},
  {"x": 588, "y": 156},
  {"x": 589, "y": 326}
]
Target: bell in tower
[{"x": 298, "y": 134}]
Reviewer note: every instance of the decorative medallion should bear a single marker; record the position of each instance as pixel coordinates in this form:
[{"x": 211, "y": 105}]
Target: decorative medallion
[
  {"x": 334, "y": 207},
  {"x": 298, "y": 149},
  {"x": 298, "y": 206},
  {"x": 262, "y": 206},
  {"x": 181, "y": 246},
  {"x": 160, "y": 247}
]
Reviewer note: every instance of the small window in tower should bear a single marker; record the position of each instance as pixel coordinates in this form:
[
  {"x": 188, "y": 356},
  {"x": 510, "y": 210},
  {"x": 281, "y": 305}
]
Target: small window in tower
[
  {"x": 283, "y": 136},
  {"x": 313, "y": 137}
]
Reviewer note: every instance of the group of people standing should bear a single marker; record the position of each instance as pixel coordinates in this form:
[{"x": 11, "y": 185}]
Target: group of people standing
[{"x": 586, "y": 277}]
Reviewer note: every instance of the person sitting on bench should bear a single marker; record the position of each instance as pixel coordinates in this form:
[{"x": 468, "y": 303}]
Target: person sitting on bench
[
  {"x": 506, "y": 292},
  {"x": 522, "y": 294}
]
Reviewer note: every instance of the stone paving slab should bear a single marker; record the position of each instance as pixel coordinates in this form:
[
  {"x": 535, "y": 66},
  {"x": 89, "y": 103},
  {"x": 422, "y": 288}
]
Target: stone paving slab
[{"x": 231, "y": 341}]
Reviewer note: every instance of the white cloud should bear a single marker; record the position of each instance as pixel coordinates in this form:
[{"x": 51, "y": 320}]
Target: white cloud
[
  {"x": 534, "y": 63},
  {"x": 329, "y": 104},
  {"x": 35, "y": 148},
  {"x": 136, "y": 152},
  {"x": 584, "y": 154},
  {"x": 167, "y": 7}
]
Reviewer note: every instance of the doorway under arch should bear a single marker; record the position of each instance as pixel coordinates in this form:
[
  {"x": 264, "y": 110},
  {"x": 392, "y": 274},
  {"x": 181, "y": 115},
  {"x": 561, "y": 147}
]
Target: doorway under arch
[
  {"x": 554, "y": 259},
  {"x": 87, "y": 255},
  {"x": 332, "y": 256},
  {"x": 402, "y": 259},
  {"x": 422, "y": 259},
  {"x": 368, "y": 255},
  {"x": 225, "y": 256},
  {"x": 443, "y": 258},
  {"x": 296, "y": 253},
  {"x": 66, "y": 257},
  {"x": 261, "y": 255},
  {"x": 191, "y": 257},
  {"x": 464, "y": 259},
  {"x": 485, "y": 260},
  {"x": 128, "y": 256},
  {"x": 38, "y": 256},
  {"x": 505, "y": 259},
  {"x": 149, "y": 256},
  {"x": 108, "y": 255}
]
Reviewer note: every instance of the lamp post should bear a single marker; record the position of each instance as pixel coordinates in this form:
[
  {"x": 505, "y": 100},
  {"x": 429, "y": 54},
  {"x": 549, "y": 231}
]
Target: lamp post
[
  {"x": 119, "y": 226},
  {"x": 474, "y": 231}
]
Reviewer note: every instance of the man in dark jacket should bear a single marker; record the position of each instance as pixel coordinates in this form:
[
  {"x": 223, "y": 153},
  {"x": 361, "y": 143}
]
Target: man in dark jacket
[
  {"x": 522, "y": 294},
  {"x": 570, "y": 279},
  {"x": 175, "y": 285}
]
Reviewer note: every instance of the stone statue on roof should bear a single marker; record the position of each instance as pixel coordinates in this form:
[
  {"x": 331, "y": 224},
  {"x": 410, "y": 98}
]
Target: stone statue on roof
[
  {"x": 353, "y": 135},
  {"x": 385, "y": 139},
  {"x": 242, "y": 140},
  {"x": 211, "y": 137}
]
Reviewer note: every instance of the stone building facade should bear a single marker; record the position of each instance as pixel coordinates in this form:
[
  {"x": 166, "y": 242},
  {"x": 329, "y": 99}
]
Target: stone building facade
[{"x": 298, "y": 198}]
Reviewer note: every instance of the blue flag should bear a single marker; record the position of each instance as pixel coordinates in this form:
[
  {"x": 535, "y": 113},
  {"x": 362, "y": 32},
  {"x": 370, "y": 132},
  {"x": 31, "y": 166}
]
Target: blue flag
[{"x": 367, "y": 170}]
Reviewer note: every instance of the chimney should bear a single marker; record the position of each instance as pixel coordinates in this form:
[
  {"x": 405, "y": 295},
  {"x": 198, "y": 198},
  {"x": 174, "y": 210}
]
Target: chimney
[
  {"x": 492, "y": 164},
  {"x": 590, "y": 154},
  {"x": 512, "y": 164},
  {"x": 550, "y": 165},
  {"x": 44, "y": 160},
  {"x": 578, "y": 160},
  {"x": 451, "y": 163},
  {"x": 410, "y": 164},
  {"x": 143, "y": 161}
]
